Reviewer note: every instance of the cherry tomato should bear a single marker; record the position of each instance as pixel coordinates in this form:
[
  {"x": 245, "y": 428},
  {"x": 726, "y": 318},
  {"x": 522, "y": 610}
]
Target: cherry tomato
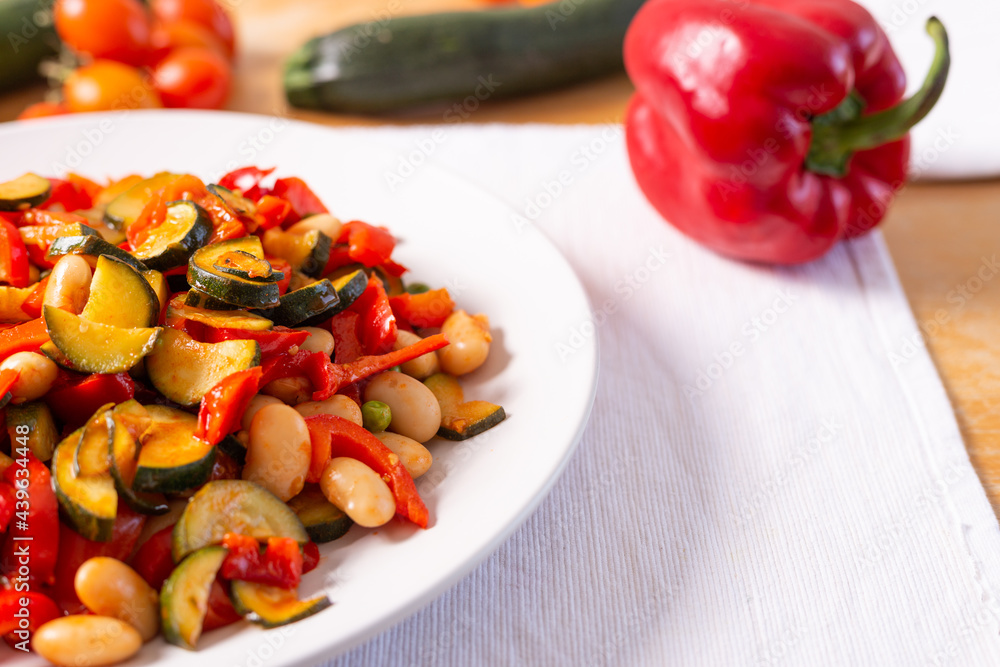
[
  {"x": 193, "y": 78},
  {"x": 43, "y": 109},
  {"x": 112, "y": 29},
  {"x": 206, "y": 13},
  {"x": 106, "y": 85},
  {"x": 167, "y": 37}
]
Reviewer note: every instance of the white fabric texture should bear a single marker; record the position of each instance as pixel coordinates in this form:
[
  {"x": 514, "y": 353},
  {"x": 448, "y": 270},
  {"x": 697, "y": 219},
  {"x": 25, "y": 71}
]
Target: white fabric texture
[{"x": 772, "y": 473}]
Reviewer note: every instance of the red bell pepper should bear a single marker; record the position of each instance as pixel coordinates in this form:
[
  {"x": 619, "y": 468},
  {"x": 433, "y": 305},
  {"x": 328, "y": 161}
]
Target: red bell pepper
[
  {"x": 314, "y": 365},
  {"x": 13, "y": 256},
  {"x": 33, "y": 537},
  {"x": 226, "y": 223},
  {"x": 8, "y": 377},
  {"x": 429, "y": 309},
  {"x": 272, "y": 212},
  {"x": 153, "y": 560},
  {"x": 33, "y": 304},
  {"x": 7, "y": 501},
  {"x": 246, "y": 180},
  {"x": 376, "y": 326},
  {"x": 310, "y": 557},
  {"x": 220, "y": 612},
  {"x": 273, "y": 342},
  {"x": 74, "y": 194},
  {"x": 28, "y": 336},
  {"x": 770, "y": 130},
  {"x": 303, "y": 200},
  {"x": 366, "y": 243},
  {"x": 341, "y": 437},
  {"x": 344, "y": 327},
  {"x": 282, "y": 266},
  {"x": 342, "y": 375},
  {"x": 222, "y": 407},
  {"x": 24, "y": 611},
  {"x": 74, "y": 398},
  {"x": 280, "y": 564}
]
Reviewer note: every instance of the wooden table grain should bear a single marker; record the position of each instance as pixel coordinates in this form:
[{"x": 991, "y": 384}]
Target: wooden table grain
[{"x": 944, "y": 238}]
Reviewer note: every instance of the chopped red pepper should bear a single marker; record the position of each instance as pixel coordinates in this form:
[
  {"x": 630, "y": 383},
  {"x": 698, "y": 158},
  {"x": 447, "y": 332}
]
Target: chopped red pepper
[
  {"x": 33, "y": 304},
  {"x": 73, "y": 194},
  {"x": 8, "y": 377},
  {"x": 246, "y": 180},
  {"x": 310, "y": 557},
  {"x": 223, "y": 405},
  {"x": 279, "y": 565},
  {"x": 273, "y": 342},
  {"x": 7, "y": 501},
  {"x": 272, "y": 212},
  {"x": 314, "y": 365},
  {"x": 153, "y": 214},
  {"x": 348, "y": 439},
  {"x": 282, "y": 266},
  {"x": 74, "y": 398},
  {"x": 367, "y": 244},
  {"x": 220, "y": 612},
  {"x": 13, "y": 256},
  {"x": 303, "y": 200},
  {"x": 26, "y": 336},
  {"x": 340, "y": 256},
  {"x": 376, "y": 328},
  {"x": 38, "y": 530},
  {"x": 227, "y": 224},
  {"x": 344, "y": 327},
  {"x": 14, "y": 604},
  {"x": 153, "y": 561},
  {"x": 429, "y": 309},
  {"x": 394, "y": 269}
]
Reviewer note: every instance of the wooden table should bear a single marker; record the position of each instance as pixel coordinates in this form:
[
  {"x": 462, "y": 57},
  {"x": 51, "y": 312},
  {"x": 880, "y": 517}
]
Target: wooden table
[{"x": 940, "y": 235}]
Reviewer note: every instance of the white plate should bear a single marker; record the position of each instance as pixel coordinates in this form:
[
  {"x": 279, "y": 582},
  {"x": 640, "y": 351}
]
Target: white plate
[{"x": 454, "y": 235}]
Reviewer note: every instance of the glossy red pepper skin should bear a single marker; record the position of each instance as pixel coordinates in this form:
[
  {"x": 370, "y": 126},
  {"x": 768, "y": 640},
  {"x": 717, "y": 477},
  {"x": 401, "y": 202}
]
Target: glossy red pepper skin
[
  {"x": 246, "y": 180},
  {"x": 222, "y": 407},
  {"x": 376, "y": 325},
  {"x": 303, "y": 200},
  {"x": 429, "y": 309},
  {"x": 13, "y": 603},
  {"x": 74, "y": 398},
  {"x": 280, "y": 564},
  {"x": 721, "y": 126},
  {"x": 367, "y": 244},
  {"x": 28, "y": 336},
  {"x": 13, "y": 256},
  {"x": 35, "y": 525},
  {"x": 272, "y": 342},
  {"x": 153, "y": 560}
]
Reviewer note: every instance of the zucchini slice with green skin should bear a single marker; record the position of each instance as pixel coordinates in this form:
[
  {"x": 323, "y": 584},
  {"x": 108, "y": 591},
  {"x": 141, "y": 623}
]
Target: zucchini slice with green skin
[
  {"x": 198, "y": 299},
  {"x": 42, "y": 434},
  {"x": 349, "y": 287},
  {"x": 123, "y": 210},
  {"x": 239, "y": 204},
  {"x": 91, "y": 246},
  {"x": 324, "y": 521},
  {"x": 183, "y": 370},
  {"x": 24, "y": 192},
  {"x": 125, "y": 425},
  {"x": 90, "y": 504},
  {"x": 177, "y": 310},
  {"x": 184, "y": 597},
  {"x": 233, "y": 506},
  {"x": 244, "y": 265},
  {"x": 91, "y": 457},
  {"x": 158, "y": 282},
  {"x": 120, "y": 296},
  {"x": 270, "y": 606},
  {"x": 91, "y": 347},
  {"x": 234, "y": 449},
  {"x": 461, "y": 419},
  {"x": 307, "y": 305},
  {"x": 204, "y": 275},
  {"x": 185, "y": 229},
  {"x": 171, "y": 458},
  {"x": 44, "y": 234},
  {"x": 308, "y": 253}
]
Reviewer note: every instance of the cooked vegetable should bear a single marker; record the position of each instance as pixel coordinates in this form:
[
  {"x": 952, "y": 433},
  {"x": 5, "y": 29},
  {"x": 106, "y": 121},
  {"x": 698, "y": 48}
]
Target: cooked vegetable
[
  {"x": 172, "y": 459},
  {"x": 311, "y": 304},
  {"x": 461, "y": 419},
  {"x": 25, "y": 43},
  {"x": 120, "y": 296},
  {"x": 91, "y": 246},
  {"x": 183, "y": 370},
  {"x": 184, "y": 598},
  {"x": 358, "y": 490},
  {"x": 204, "y": 275},
  {"x": 12, "y": 303},
  {"x": 350, "y": 286},
  {"x": 244, "y": 265},
  {"x": 41, "y": 435},
  {"x": 124, "y": 209},
  {"x": 376, "y": 416},
  {"x": 23, "y": 192},
  {"x": 199, "y": 299},
  {"x": 90, "y": 347},
  {"x": 178, "y": 310},
  {"x": 239, "y": 204},
  {"x": 91, "y": 458},
  {"x": 90, "y": 504},
  {"x": 273, "y": 607},
  {"x": 323, "y": 520},
  {"x": 185, "y": 229},
  {"x": 123, "y": 423},
  {"x": 308, "y": 252}
]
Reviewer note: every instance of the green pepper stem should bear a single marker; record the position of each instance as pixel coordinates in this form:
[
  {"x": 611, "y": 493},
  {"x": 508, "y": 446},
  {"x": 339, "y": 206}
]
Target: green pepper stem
[{"x": 833, "y": 143}]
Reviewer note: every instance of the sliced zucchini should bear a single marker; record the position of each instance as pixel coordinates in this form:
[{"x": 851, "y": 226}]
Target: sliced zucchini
[
  {"x": 123, "y": 210},
  {"x": 24, "y": 192},
  {"x": 270, "y": 606},
  {"x": 244, "y": 265},
  {"x": 183, "y": 370},
  {"x": 461, "y": 419},
  {"x": 42, "y": 434},
  {"x": 125, "y": 425},
  {"x": 185, "y": 229},
  {"x": 234, "y": 449},
  {"x": 308, "y": 305},
  {"x": 90, "y": 504},
  {"x": 350, "y": 286},
  {"x": 91, "y": 246},
  {"x": 225, "y": 319},
  {"x": 204, "y": 275},
  {"x": 199, "y": 299},
  {"x": 12, "y": 301},
  {"x": 90, "y": 347},
  {"x": 91, "y": 458},
  {"x": 184, "y": 597},
  {"x": 323, "y": 520},
  {"x": 171, "y": 458},
  {"x": 161, "y": 288},
  {"x": 120, "y": 296},
  {"x": 233, "y": 506},
  {"x": 308, "y": 253},
  {"x": 44, "y": 235},
  {"x": 239, "y": 204}
]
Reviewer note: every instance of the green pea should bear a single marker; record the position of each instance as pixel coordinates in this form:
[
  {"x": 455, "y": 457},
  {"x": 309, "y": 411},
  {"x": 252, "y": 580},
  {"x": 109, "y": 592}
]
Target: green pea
[
  {"x": 376, "y": 416},
  {"x": 417, "y": 288}
]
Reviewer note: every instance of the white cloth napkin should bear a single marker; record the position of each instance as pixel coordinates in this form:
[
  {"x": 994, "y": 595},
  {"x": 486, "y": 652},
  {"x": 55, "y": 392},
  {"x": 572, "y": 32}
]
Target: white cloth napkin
[{"x": 772, "y": 473}]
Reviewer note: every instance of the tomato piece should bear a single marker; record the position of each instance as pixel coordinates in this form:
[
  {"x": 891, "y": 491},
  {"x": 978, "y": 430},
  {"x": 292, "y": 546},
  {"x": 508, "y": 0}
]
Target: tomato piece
[
  {"x": 113, "y": 29},
  {"x": 206, "y": 13},
  {"x": 106, "y": 85},
  {"x": 193, "y": 78}
]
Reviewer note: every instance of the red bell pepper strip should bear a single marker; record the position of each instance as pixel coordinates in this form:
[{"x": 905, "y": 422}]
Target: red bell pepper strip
[
  {"x": 227, "y": 224},
  {"x": 246, "y": 180},
  {"x": 310, "y": 557},
  {"x": 348, "y": 439},
  {"x": 220, "y": 612},
  {"x": 303, "y": 200},
  {"x": 282, "y": 266},
  {"x": 26, "y": 336},
  {"x": 313, "y": 365},
  {"x": 33, "y": 537},
  {"x": 344, "y": 327},
  {"x": 24, "y": 611},
  {"x": 33, "y": 304},
  {"x": 784, "y": 135},
  {"x": 222, "y": 407},
  {"x": 272, "y": 212},
  {"x": 429, "y": 309},
  {"x": 273, "y": 342},
  {"x": 153, "y": 560},
  {"x": 7, "y": 501},
  {"x": 394, "y": 269},
  {"x": 376, "y": 326},
  {"x": 342, "y": 375},
  {"x": 8, "y": 377},
  {"x": 73, "y": 194},
  {"x": 280, "y": 564},
  {"x": 74, "y": 398},
  {"x": 366, "y": 243},
  {"x": 13, "y": 256},
  {"x": 153, "y": 214}
]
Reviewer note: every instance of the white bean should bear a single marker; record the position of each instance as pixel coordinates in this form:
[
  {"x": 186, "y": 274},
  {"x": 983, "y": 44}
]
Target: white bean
[
  {"x": 320, "y": 340},
  {"x": 279, "y": 452},
  {"x": 70, "y": 641},
  {"x": 416, "y": 412},
  {"x": 358, "y": 491},
  {"x": 109, "y": 587},
  {"x": 69, "y": 284},
  {"x": 293, "y": 390},
  {"x": 468, "y": 342},
  {"x": 338, "y": 404},
  {"x": 324, "y": 222},
  {"x": 414, "y": 456},
  {"x": 256, "y": 403},
  {"x": 36, "y": 375},
  {"x": 423, "y": 366}
]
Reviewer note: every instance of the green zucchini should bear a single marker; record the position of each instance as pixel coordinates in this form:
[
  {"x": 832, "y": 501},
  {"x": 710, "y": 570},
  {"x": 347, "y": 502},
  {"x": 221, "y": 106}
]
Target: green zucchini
[
  {"x": 185, "y": 229},
  {"x": 308, "y": 305},
  {"x": 125, "y": 425},
  {"x": 178, "y": 310},
  {"x": 323, "y": 520},
  {"x": 28, "y": 38},
  {"x": 205, "y": 276},
  {"x": 90, "y": 504},
  {"x": 237, "y": 203},
  {"x": 42, "y": 434},
  {"x": 308, "y": 252},
  {"x": 123, "y": 210},
  {"x": 183, "y": 370},
  {"x": 120, "y": 296},
  {"x": 172, "y": 459},
  {"x": 24, "y": 192},
  {"x": 234, "y": 449},
  {"x": 91, "y": 246},
  {"x": 233, "y": 506},
  {"x": 90, "y": 347},
  {"x": 184, "y": 597},
  {"x": 461, "y": 419},
  {"x": 459, "y": 57},
  {"x": 198, "y": 299},
  {"x": 349, "y": 287},
  {"x": 244, "y": 265},
  {"x": 91, "y": 456},
  {"x": 160, "y": 287},
  {"x": 270, "y": 606}
]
